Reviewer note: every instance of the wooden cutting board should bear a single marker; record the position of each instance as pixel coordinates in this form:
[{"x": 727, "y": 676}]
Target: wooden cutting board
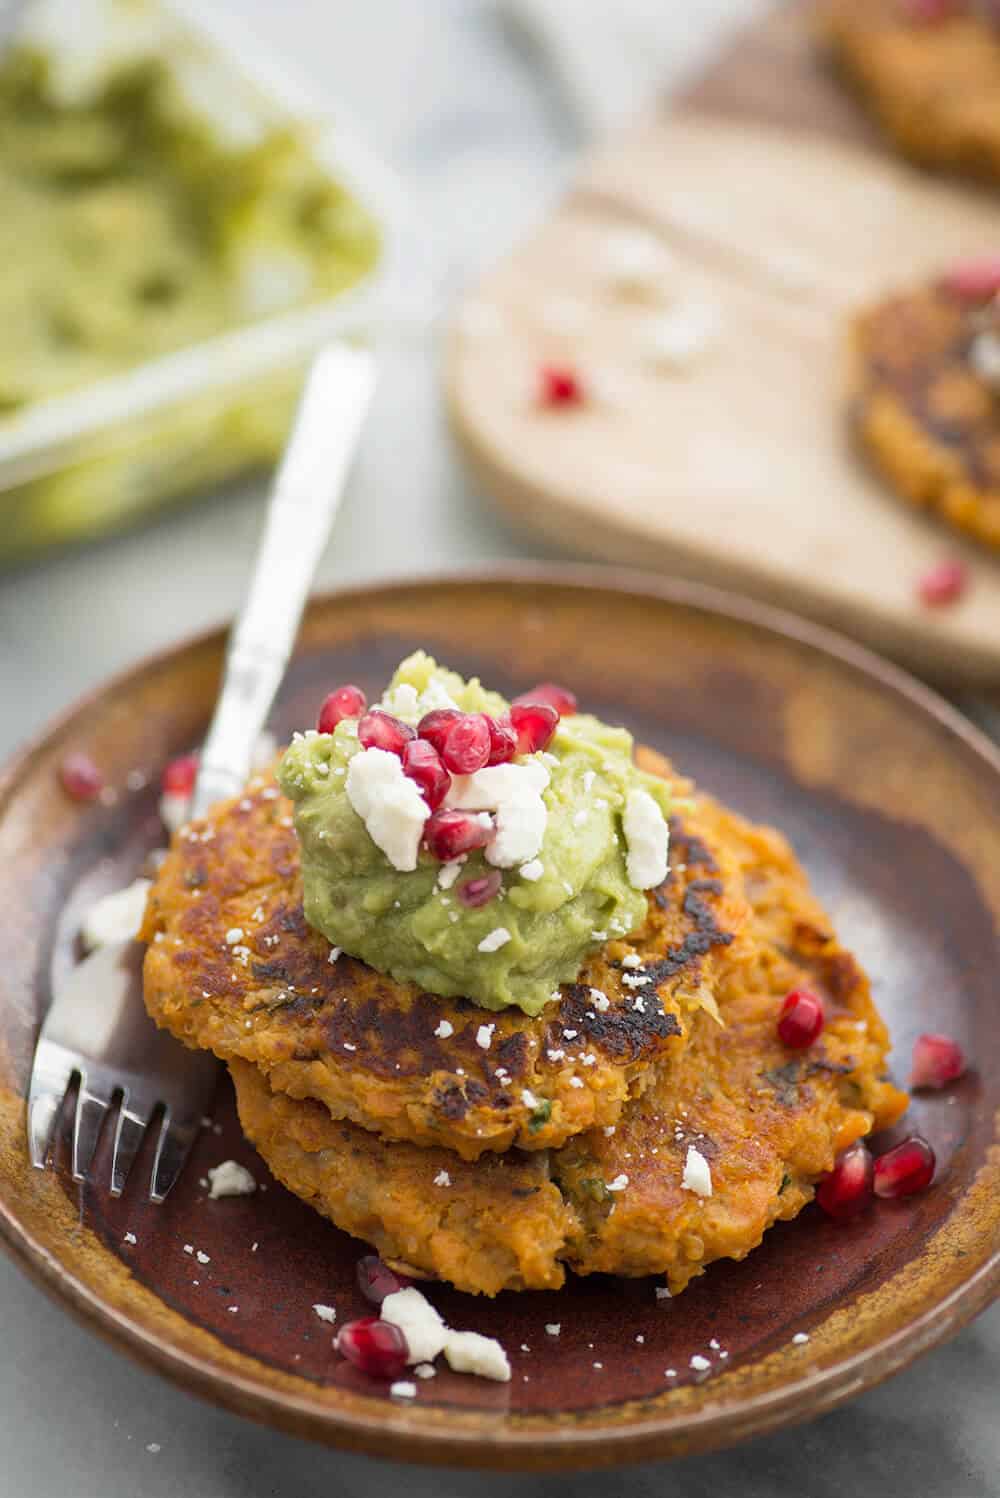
[{"x": 781, "y": 211}]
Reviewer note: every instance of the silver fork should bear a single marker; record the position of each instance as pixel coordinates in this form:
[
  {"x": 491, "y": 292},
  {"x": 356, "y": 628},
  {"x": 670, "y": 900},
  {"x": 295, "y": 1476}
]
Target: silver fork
[{"x": 97, "y": 1028}]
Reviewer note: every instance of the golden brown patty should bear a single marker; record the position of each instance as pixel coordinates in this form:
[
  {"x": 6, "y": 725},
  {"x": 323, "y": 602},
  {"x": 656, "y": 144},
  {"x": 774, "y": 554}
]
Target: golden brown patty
[
  {"x": 768, "y": 1120},
  {"x": 233, "y": 967},
  {"x": 933, "y": 87},
  {"x": 923, "y": 412}
]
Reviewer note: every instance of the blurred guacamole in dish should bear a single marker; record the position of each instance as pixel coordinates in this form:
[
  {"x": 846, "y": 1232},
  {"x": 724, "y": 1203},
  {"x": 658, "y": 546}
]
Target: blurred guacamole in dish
[{"x": 130, "y": 229}]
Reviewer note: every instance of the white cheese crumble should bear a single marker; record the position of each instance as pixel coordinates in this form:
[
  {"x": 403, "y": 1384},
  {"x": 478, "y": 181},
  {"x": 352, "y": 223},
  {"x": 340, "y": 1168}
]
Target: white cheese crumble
[
  {"x": 633, "y": 960},
  {"x": 449, "y": 872},
  {"x": 984, "y": 356},
  {"x": 529, "y": 1099},
  {"x": 619, "y": 1183},
  {"x": 514, "y": 793},
  {"x": 553, "y": 1328},
  {"x": 494, "y": 940},
  {"x": 697, "y": 1174},
  {"x": 131, "y": 1238},
  {"x": 532, "y": 871},
  {"x": 648, "y": 838},
  {"x": 423, "y": 1328},
  {"x": 403, "y": 1389},
  {"x": 389, "y": 804},
  {"x": 425, "y": 1370},
  {"x": 699, "y": 1364},
  {"x": 334, "y": 954},
  {"x": 600, "y": 999},
  {"x": 444, "y": 1029},
  {"x": 442, "y": 1178},
  {"x": 484, "y": 1036},
  {"x": 326, "y": 1313},
  {"x": 800, "y": 1338},
  {"x": 469, "y": 1352},
  {"x": 234, "y": 936},
  {"x": 231, "y": 1179},
  {"x": 202, "y": 1257},
  {"x": 662, "y": 1293},
  {"x": 115, "y": 917}
]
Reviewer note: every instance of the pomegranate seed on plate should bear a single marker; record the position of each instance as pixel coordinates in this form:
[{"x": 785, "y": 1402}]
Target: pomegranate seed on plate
[
  {"x": 433, "y": 726},
  {"x": 559, "y": 386},
  {"x": 376, "y": 1347},
  {"x": 422, "y": 763},
  {"x": 380, "y": 730},
  {"x": 906, "y": 1169},
  {"x": 503, "y": 740},
  {"x": 943, "y": 583},
  {"x": 80, "y": 778},
  {"x": 801, "y": 1019},
  {"x": 466, "y": 744},
  {"x": 480, "y": 891},
  {"x": 974, "y": 280},
  {"x": 847, "y": 1189},
  {"x": 937, "y": 1060},
  {"x": 534, "y": 723},
  {"x": 561, "y": 698},
  {"x": 345, "y": 702},
  {"x": 449, "y": 833},
  {"x": 376, "y": 1280},
  {"x": 180, "y": 774}
]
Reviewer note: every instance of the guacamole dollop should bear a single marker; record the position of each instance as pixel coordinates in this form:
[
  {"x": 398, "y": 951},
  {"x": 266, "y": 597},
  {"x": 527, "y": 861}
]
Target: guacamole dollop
[{"x": 550, "y": 912}]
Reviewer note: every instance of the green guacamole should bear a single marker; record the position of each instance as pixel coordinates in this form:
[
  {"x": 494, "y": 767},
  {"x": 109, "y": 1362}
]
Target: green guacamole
[
  {"x": 412, "y": 924},
  {"x": 129, "y": 229}
]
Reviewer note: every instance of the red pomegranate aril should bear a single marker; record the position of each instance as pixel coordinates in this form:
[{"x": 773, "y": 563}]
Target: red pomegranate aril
[
  {"x": 974, "y": 280},
  {"x": 558, "y": 385},
  {"x": 534, "y": 723},
  {"x": 932, "y": 12},
  {"x": 379, "y": 730},
  {"x": 503, "y": 740},
  {"x": 801, "y": 1020},
  {"x": 376, "y": 1280},
  {"x": 376, "y": 1347},
  {"x": 561, "y": 698},
  {"x": 422, "y": 763},
  {"x": 179, "y": 775},
  {"x": 905, "y": 1170},
  {"x": 80, "y": 778},
  {"x": 466, "y": 746},
  {"x": 937, "y": 1060},
  {"x": 345, "y": 702},
  {"x": 433, "y": 726},
  {"x": 847, "y": 1189},
  {"x": 449, "y": 833},
  {"x": 481, "y": 890},
  {"x": 943, "y": 583}
]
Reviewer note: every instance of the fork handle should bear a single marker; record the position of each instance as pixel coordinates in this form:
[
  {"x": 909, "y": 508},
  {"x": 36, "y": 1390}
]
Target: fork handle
[{"x": 304, "y": 501}]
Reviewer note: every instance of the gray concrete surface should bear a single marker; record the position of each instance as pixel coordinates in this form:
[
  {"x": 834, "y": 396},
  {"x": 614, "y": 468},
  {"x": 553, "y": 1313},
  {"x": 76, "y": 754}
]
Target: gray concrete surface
[{"x": 465, "y": 116}]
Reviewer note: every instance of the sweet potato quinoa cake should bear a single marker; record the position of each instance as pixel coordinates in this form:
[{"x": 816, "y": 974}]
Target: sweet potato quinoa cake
[
  {"x": 555, "y": 1046},
  {"x": 930, "y": 72},
  {"x": 926, "y": 395}
]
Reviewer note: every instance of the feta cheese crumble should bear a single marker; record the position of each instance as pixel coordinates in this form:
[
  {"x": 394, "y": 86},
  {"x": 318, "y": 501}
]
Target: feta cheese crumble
[
  {"x": 423, "y": 1328},
  {"x": 494, "y": 940},
  {"x": 449, "y": 872},
  {"x": 800, "y": 1338},
  {"x": 443, "y": 1029},
  {"x": 648, "y": 837},
  {"x": 484, "y": 1036},
  {"x": 389, "y": 804},
  {"x": 532, "y": 871},
  {"x": 697, "y": 1175},
  {"x": 442, "y": 1178},
  {"x": 115, "y": 917},
  {"x": 326, "y": 1313},
  {"x": 514, "y": 793},
  {"x": 619, "y": 1183},
  {"x": 470, "y": 1352},
  {"x": 553, "y": 1328},
  {"x": 700, "y": 1364},
  {"x": 230, "y": 1179},
  {"x": 403, "y": 1389}
]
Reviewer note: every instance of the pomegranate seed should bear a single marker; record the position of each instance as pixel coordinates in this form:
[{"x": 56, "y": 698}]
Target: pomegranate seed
[
  {"x": 931, "y": 12},
  {"x": 559, "y": 386},
  {"x": 534, "y": 723},
  {"x": 449, "y": 833},
  {"x": 480, "y": 891},
  {"x": 974, "y": 280},
  {"x": 503, "y": 740},
  {"x": 179, "y": 775},
  {"x": 376, "y": 1280},
  {"x": 433, "y": 726},
  {"x": 801, "y": 1019},
  {"x": 466, "y": 744},
  {"x": 906, "y": 1169},
  {"x": 847, "y": 1190},
  {"x": 379, "y": 730},
  {"x": 937, "y": 1060},
  {"x": 376, "y": 1347},
  {"x": 80, "y": 777},
  {"x": 422, "y": 764},
  {"x": 561, "y": 698},
  {"x": 943, "y": 583},
  {"x": 345, "y": 702}
]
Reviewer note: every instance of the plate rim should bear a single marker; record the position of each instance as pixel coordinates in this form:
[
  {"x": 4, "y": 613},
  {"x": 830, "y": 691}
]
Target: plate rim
[{"x": 530, "y": 1443}]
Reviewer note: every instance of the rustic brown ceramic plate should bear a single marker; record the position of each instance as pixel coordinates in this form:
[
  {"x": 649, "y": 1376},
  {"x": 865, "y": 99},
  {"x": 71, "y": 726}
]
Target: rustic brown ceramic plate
[{"x": 893, "y": 803}]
